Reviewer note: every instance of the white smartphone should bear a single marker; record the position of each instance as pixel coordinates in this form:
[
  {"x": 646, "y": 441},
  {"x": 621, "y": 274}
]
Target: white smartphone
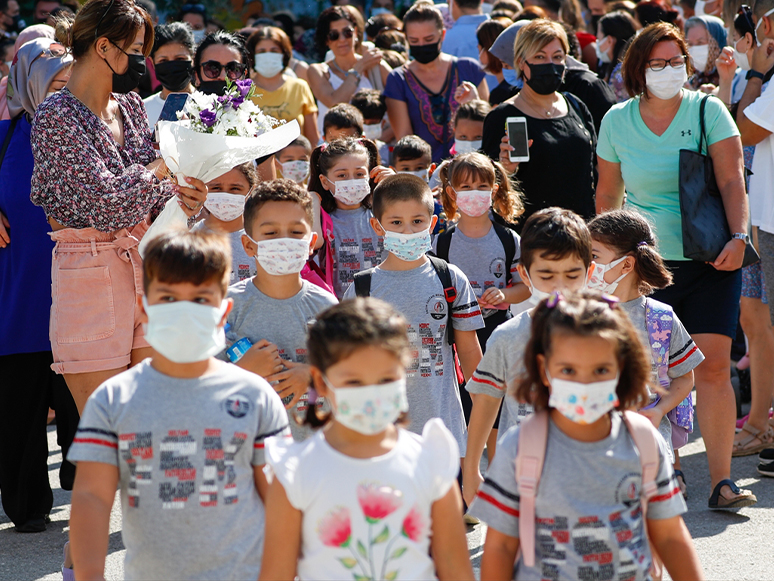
[{"x": 516, "y": 128}]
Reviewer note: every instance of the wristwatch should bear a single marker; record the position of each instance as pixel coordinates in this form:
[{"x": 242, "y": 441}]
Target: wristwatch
[
  {"x": 743, "y": 236},
  {"x": 751, "y": 74}
]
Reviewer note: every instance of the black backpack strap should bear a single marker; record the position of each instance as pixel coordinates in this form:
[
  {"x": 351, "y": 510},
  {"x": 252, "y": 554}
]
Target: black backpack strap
[
  {"x": 449, "y": 291},
  {"x": 509, "y": 245},
  {"x": 8, "y": 136},
  {"x": 442, "y": 244},
  {"x": 362, "y": 283}
]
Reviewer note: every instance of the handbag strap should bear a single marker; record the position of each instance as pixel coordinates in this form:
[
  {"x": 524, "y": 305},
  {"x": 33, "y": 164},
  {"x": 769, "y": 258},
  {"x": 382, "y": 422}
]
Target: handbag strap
[
  {"x": 702, "y": 131},
  {"x": 8, "y": 136}
]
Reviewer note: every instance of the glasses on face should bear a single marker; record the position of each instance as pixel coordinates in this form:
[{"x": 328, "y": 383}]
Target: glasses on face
[
  {"x": 660, "y": 64},
  {"x": 194, "y": 8},
  {"x": 348, "y": 32},
  {"x": 234, "y": 70}
]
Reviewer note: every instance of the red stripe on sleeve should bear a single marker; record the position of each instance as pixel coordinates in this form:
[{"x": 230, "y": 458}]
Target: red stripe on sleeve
[
  {"x": 491, "y": 500},
  {"x": 94, "y": 441},
  {"x": 686, "y": 356},
  {"x": 475, "y": 313},
  {"x": 486, "y": 381},
  {"x": 259, "y": 446},
  {"x": 667, "y": 496}
]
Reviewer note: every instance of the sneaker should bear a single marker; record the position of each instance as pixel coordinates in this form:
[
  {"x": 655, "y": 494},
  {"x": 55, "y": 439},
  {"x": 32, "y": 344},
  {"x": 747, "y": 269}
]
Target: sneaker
[
  {"x": 766, "y": 469},
  {"x": 766, "y": 455}
]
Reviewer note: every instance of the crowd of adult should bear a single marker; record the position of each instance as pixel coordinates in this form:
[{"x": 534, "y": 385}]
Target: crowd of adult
[{"x": 611, "y": 91}]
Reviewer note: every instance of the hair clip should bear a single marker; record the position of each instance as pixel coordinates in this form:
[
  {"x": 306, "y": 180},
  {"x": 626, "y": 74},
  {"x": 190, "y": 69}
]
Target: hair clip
[
  {"x": 554, "y": 299},
  {"x": 323, "y": 146},
  {"x": 311, "y": 396},
  {"x": 643, "y": 243},
  {"x": 611, "y": 301}
]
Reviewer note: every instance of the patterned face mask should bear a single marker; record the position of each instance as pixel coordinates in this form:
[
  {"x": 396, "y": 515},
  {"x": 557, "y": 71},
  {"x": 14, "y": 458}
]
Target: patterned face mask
[
  {"x": 583, "y": 403},
  {"x": 282, "y": 255},
  {"x": 225, "y": 207},
  {"x": 408, "y": 247},
  {"x": 597, "y": 279},
  {"x": 474, "y": 202},
  {"x": 369, "y": 409},
  {"x": 297, "y": 170},
  {"x": 351, "y": 192}
]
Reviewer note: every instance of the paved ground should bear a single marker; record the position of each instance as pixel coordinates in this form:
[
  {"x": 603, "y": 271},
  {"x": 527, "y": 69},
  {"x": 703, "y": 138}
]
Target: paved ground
[{"x": 731, "y": 546}]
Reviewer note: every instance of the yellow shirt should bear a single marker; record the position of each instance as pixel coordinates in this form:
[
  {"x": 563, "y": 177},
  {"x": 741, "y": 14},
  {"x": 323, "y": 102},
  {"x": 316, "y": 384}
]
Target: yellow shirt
[{"x": 292, "y": 100}]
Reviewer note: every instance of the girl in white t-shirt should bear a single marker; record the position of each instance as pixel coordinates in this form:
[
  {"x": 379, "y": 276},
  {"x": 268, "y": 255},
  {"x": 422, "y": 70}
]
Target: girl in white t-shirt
[{"x": 364, "y": 498}]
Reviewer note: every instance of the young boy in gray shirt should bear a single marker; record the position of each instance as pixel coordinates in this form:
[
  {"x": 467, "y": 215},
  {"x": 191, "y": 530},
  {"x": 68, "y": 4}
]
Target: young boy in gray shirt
[
  {"x": 274, "y": 308},
  {"x": 403, "y": 215},
  {"x": 181, "y": 434}
]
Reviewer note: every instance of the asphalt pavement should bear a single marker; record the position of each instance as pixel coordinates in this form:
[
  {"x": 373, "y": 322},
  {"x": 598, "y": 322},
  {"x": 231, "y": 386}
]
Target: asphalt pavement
[{"x": 731, "y": 546}]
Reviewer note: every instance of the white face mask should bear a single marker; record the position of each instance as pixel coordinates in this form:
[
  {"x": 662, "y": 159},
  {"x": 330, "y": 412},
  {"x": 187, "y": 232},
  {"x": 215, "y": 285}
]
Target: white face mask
[
  {"x": 666, "y": 83},
  {"x": 281, "y": 256},
  {"x": 597, "y": 279},
  {"x": 372, "y": 132},
  {"x": 699, "y": 55},
  {"x": 351, "y": 192},
  {"x": 535, "y": 295},
  {"x": 421, "y": 174},
  {"x": 741, "y": 58},
  {"x": 466, "y": 146},
  {"x": 369, "y": 409},
  {"x": 185, "y": 332},
  {"x": 474, "y": 202},
  {"x": 602, "y": 55},
  {"x": 297, "y": 170},
  {"x": 582, "y": 403},
  {"x": 757, "y": 26},
  {"x": 269, "y": 64},
  {"x": 225, "y": 207},
  {"x": 408, "y": 247},
  {"x": 199, "y": 35}
]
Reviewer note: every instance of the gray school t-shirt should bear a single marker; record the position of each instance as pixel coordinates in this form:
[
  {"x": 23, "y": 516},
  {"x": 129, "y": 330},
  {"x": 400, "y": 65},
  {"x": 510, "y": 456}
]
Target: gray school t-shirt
[
  {"x": 431, "y": 378},
  {"x": 284, "y": 322},
  {"x": 500, "y": 367},
  {"x": 185, "y": 450},
  {"x": 242, "y": 266},
  {"x": 483, "y": 261},
  {"x": 355, "y": 246},
  {"x": 588, "y": 519}
]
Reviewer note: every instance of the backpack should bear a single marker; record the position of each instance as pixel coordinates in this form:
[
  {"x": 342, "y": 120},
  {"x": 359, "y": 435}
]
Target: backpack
[
  {"x": 443, "y": 243},
  {"x": 533, "y": 438},
  {"x": 658, "y": 319},
  {"x": 322, "y": 275}
]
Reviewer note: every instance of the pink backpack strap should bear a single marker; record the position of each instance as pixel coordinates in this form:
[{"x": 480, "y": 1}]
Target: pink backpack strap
[
  {"x": 533, "y": 438},
  {"x": 644, "y": 435}
]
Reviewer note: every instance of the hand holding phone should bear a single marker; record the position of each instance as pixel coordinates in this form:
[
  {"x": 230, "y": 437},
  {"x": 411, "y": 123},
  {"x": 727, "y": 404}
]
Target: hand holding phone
[{"x": 516, "y": 130}]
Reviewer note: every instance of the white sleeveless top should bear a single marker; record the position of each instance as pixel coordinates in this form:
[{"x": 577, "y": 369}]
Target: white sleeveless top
[{"x": 335, "y": 82}]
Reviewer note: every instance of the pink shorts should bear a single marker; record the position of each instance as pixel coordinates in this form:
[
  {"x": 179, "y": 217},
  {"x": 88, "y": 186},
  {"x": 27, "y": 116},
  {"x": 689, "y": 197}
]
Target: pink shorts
[{"x": 95, "y": 281}]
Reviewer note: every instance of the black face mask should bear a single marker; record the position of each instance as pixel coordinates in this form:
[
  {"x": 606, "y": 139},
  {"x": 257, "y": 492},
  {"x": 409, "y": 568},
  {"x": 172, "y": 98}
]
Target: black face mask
[
  {"x": 174, "y": 75},
  {"x": 17, "y": 24},
  {"x": 545, "y": 79},
  {"x": 128, "y": 81},
  {"x": 425, "y": 53},
  {"x": 213, "y": 88}
]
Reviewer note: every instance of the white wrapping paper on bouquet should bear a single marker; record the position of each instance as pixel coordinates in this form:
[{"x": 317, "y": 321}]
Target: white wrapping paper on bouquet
[{"x": 206, "y": 156}]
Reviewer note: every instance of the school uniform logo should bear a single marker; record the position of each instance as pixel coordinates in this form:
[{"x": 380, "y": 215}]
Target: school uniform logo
[
  {"x": 497, "y": 267},
  {"x": 628, "y": 490},
  {"x": 237, "y": 405},
  {"x": 436, "y": 307}
]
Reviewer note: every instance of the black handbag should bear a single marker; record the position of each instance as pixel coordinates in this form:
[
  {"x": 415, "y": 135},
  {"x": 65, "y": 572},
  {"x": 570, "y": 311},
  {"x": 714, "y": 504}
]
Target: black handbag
[{"x": 705, "y": 228}]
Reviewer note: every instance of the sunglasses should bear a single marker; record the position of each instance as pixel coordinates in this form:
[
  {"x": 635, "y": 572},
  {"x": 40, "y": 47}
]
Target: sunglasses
[
  {"x": 234, "y": 70},
  {"x": 348, "y": 32},
  {"x": 193, "y": 8}
]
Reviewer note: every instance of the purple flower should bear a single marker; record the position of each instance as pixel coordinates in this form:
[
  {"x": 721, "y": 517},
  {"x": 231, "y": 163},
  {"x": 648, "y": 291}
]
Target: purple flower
[
  {"x": 223, "y": 99},
  {"x": 244, "y": 87},
  {"x": 237, "y": 101},
  {"x": 208, "y": 117}
]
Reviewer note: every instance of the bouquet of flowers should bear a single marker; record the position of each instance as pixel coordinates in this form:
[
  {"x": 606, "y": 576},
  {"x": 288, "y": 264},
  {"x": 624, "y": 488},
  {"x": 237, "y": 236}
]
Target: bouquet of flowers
[{"x": 215, "y": 134}]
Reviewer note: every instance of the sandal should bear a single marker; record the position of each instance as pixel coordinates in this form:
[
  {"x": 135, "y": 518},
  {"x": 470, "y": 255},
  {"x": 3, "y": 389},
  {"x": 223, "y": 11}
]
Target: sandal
[
  {"x": 682, "y": 483},
  {"x": 67, "y": 572},
  {"x": 742, "y": 498},
  {"x": 756, "y": 441}
]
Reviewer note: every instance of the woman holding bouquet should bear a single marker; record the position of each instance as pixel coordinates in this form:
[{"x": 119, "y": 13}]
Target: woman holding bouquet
[{"x": 97, "y": 178}]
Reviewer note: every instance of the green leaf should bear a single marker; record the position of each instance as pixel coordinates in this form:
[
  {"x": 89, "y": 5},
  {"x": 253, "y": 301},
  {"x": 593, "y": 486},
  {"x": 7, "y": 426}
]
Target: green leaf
[
  {"x": 383, "y": 536},
  {"x": 361, "y": 577},
  {"x": 398, "y": 552},
  {"x": 348, "y": 562},
  {"x": 391, "y": 576},
  {"x": 362, "y": 550}
]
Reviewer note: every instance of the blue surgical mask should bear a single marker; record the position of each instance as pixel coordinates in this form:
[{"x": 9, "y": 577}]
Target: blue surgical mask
[
  {"x": 408, "y": 247},
  {"x": 510, "y": 77}
]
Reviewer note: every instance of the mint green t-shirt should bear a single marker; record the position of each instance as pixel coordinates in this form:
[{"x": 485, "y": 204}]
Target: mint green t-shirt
[{"x": 650, "y": 163}]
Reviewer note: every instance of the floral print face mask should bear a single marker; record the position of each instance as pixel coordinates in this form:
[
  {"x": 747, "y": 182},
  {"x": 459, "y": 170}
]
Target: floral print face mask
[
  {"x": 474, "y": 203},
  {"x": 369, "y": 409},
  {"x": 282, "y": 255},
  {"x": 583, "y": 403},
  {"x": 408, "y": 247}
]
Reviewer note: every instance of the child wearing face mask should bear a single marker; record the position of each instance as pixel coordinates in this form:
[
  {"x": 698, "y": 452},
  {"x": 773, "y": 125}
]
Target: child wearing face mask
[
  {"x": 342, "y": 175},
  {"x": 628, "y": 266},
  {"x": 273, "y": 308},
  {"x": 434, "y": 296},
  {"x": 364, "y": 496},
  {"x": 555, "y": 255},
  {"x": 602, "y": 500},
  {"x": 469, "y": 126},
  {"x": 293, "y": 160},
  {"x": 225, "y": 204},
  {"x": 371, "y": 105},
  {"x": 181, "y": 434}
]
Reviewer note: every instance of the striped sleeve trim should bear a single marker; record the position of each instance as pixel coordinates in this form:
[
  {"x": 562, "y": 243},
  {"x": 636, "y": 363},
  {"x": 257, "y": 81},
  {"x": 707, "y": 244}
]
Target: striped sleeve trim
[
  {"x": 684, "y": 357},
  {"x": 510, "y": 495},
  {"x": 666, "y": 495},
  {"x": 494, "y": 381},
  {"x": 270, "y": 434},
  {"x": 465, "y": 306},
  {"x": 96, "y": 441},
  {"x": 96, "y": 436},
  {"x": 476, "y": 313},
  {"x": 497, "y": 504}
]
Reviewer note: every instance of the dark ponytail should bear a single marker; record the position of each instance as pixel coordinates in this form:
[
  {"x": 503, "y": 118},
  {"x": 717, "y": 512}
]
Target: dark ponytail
[{"x": 628, "y": 232}]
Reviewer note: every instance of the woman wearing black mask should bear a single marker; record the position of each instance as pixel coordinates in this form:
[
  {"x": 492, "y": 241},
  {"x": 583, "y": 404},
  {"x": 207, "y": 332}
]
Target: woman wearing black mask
[
  {"x": 220, "y": 56},
  {"x": 97, "y": 177},
  {"x": 561, "y": 169},
  {"x": 423, "y": 95},
  {"x": 172, "y": 56}
]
